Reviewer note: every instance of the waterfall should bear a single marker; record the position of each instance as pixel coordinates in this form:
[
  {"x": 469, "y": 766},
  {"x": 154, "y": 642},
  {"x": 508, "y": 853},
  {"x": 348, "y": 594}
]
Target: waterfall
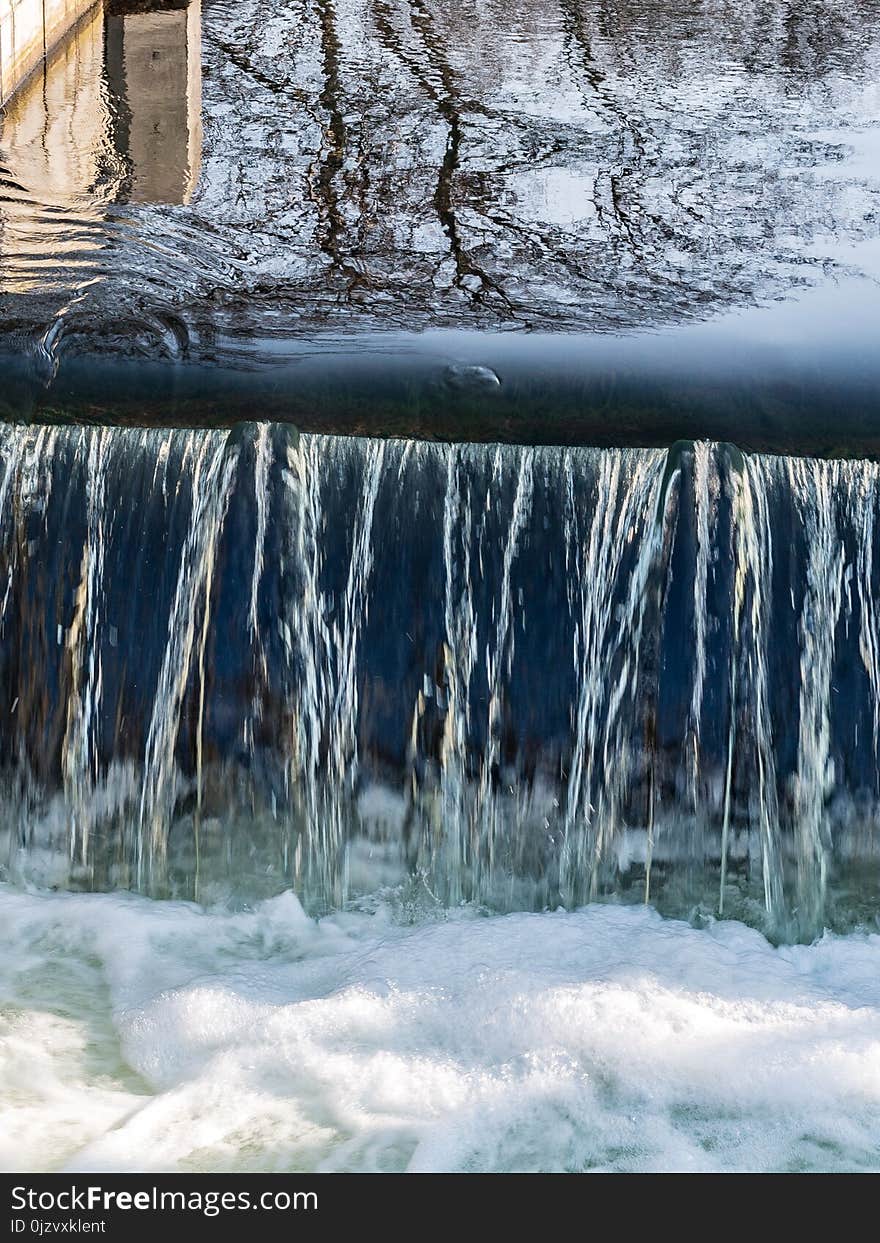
[
  {"x": 521, "y": 676},
  {"x": 705, "y": 488},
  {"x": 211, "y": 471},
  {"x": 80, "y": 746},
  {"x": 609, "y": 609}
]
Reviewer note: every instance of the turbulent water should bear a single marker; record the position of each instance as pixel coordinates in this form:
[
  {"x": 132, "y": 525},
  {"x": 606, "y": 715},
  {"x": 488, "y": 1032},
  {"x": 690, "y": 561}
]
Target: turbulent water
[
  {"x": 375, "y": 163},
  {"x": 159, "y": 1036},
  {"x": 522, "y": 677}
]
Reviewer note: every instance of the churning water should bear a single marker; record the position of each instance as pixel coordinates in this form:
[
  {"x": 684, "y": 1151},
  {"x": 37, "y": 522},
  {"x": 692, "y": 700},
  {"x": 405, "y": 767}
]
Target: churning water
[
  {"x": 462, "y": 793},
  {"x": 141, "y": 1035}
]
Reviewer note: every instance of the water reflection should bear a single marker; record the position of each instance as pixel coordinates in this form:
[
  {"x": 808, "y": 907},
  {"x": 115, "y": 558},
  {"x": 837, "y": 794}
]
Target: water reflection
[
  {"x": 592, "y": 164},
  {"x": 153, "y": 71},
  {"x": 61, "y": 170}
]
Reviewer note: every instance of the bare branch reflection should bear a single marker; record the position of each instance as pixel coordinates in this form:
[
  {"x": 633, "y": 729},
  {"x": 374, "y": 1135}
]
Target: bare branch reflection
[{"x": 600, "y": 164}]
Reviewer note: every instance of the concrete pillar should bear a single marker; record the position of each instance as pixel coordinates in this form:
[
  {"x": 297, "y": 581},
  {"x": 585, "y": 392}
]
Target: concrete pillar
[{"x": 29, "y": 30}]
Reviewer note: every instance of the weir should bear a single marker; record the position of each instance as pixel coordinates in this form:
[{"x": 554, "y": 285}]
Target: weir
[{"x": 522, "y": 676}]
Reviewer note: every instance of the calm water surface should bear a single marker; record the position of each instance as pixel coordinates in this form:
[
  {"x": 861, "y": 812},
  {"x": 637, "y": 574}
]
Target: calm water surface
[{"x": 210, "y": 184}]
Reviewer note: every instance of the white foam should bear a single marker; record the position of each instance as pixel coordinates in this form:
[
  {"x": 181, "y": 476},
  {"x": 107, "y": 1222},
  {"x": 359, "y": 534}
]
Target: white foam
[{"x": 140, "y": 1035}]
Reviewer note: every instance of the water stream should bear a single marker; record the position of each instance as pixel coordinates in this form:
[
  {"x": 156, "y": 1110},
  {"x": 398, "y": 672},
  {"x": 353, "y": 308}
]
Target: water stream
[{"x": 522, "y": 676}]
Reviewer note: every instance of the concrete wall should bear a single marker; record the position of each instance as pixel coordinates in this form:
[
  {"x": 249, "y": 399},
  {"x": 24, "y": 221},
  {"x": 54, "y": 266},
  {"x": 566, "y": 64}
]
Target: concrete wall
[{"x": 29, "y": 29}]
